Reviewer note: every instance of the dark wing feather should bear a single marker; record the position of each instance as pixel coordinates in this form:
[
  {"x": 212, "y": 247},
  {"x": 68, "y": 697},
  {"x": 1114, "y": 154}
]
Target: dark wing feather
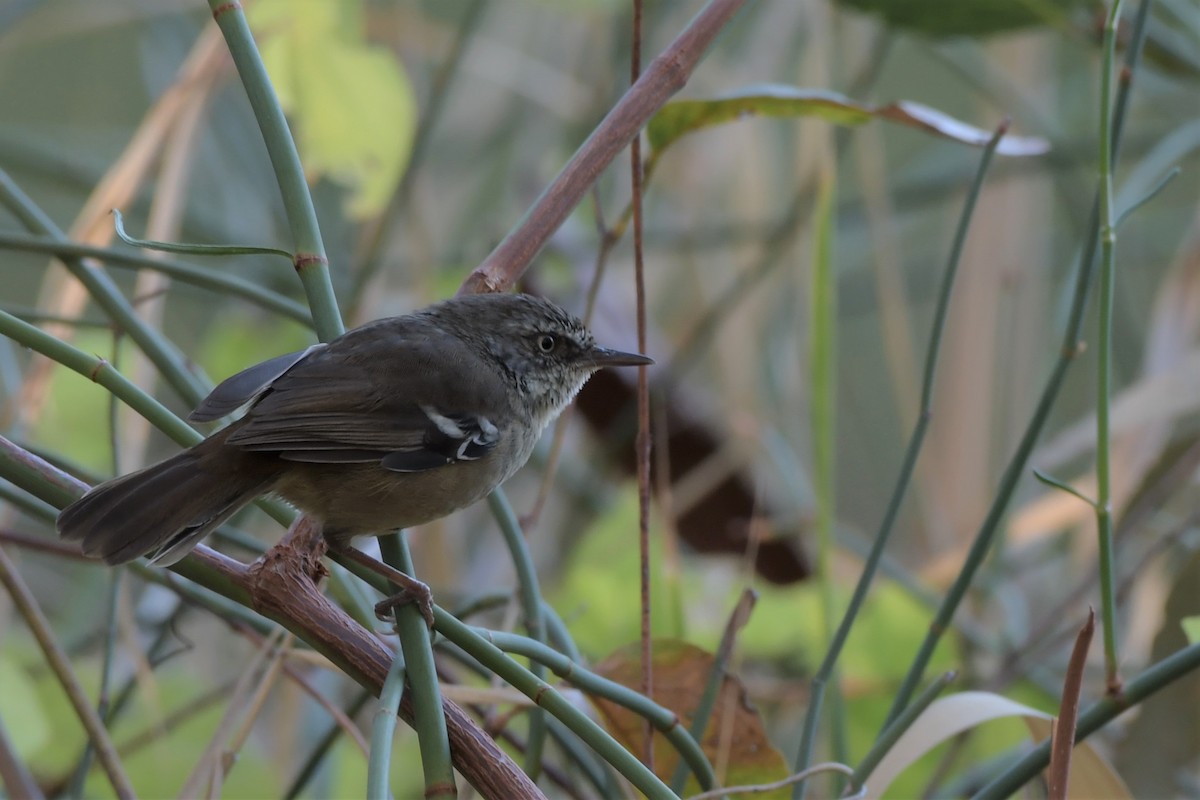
[
  {"x": 380, "y": 394},
  {"x": 244, "y": 387}
]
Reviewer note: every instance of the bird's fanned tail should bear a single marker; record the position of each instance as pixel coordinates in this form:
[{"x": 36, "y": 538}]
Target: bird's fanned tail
[{"x": 161, "y": 511}]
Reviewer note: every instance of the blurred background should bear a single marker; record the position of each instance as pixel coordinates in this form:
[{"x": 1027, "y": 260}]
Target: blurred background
[{"x": 427, "y": 129}]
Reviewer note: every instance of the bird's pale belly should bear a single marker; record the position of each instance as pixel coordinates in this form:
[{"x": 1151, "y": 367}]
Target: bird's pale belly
[{"x": 358, "y": 499}]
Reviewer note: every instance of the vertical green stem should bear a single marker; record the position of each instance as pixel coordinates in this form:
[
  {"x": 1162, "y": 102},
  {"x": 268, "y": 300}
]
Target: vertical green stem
[
  {"x": 310, "y": 261},
  {"x": 429, "y": 721},
  {"x": 1070, "y": 348},
  {"x": 822, "y": 337},
  {"x": 1108, "y": 241},
  {"x": 887, "y": 524},
  {"x": 383, "y": 728},
  {"x": 530, "y": 596}
]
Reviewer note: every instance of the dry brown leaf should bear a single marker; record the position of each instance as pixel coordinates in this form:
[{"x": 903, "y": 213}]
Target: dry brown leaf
[{"x": 681, "y": 672}]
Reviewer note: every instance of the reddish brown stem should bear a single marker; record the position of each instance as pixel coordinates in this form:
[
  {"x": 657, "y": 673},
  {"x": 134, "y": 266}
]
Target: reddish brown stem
[
  {"x": 280, "y": 586},
  {"x": 1068, "y": 712},
  {"x": 665, "y": 76}
]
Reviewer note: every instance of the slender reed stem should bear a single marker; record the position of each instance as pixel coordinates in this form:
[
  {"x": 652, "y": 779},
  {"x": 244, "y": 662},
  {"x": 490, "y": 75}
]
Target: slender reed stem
[
  {"x": 1108, "y": 242},
  {"x": 1068, "y": 351},
  {"x": 908, "y": 466},
  {"x": 309, "y": 252}
]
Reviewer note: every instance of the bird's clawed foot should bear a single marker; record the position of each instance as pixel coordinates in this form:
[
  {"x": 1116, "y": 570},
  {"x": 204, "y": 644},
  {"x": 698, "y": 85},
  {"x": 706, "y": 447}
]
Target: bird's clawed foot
[
  {"x": 416, "y": 592},
  {"x": 411, "y": 589}
]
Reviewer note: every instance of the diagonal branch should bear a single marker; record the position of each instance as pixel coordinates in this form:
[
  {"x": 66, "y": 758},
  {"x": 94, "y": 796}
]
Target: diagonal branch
[{"x": 665, "y": 76}]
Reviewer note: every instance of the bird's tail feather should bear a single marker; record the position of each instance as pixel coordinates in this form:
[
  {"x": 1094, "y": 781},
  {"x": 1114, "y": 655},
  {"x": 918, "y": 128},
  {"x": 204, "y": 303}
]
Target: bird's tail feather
[{"x": 162, "y": 511}]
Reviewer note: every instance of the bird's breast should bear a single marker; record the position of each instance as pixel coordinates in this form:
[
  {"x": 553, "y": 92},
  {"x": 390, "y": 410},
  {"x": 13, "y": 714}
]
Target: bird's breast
[{"x": 357, "y": 499}]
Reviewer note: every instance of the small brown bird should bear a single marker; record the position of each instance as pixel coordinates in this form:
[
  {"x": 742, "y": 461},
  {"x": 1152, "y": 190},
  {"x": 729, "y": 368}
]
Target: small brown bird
[{"x": 394, "y": 424}]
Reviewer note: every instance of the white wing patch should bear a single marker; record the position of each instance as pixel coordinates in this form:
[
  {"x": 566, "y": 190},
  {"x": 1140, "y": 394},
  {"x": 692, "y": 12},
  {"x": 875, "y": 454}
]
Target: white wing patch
[{"x": 444, "y": 424}]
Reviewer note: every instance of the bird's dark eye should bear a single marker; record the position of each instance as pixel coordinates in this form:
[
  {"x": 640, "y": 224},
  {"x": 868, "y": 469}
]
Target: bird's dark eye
[{"x": 546, "y": 342}]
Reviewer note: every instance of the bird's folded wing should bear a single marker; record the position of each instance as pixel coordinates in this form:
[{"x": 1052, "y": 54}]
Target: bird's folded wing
[
  {"x": 249, "y": 384},
  {"x": 410, "y": 402}
]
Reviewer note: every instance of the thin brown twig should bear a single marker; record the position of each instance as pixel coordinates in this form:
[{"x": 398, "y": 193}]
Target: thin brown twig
[
  {"x": 209, "y": 770},
  {"x": 40, "y": 544},
  {"x": 642, "y": 443},
  {"x": 29, "y": 610},
  {"x": 1063, "y": 732}
]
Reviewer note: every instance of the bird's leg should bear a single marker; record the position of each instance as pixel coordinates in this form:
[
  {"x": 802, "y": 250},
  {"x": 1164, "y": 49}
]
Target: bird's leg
[{"x": 411, "y": 589}]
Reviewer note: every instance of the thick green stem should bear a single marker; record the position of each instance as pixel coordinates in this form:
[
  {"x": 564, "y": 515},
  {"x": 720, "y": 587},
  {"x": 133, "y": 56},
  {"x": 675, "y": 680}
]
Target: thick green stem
[
  {"x": 1108, "y": 241},
  {"x": 311, "y": 263}
]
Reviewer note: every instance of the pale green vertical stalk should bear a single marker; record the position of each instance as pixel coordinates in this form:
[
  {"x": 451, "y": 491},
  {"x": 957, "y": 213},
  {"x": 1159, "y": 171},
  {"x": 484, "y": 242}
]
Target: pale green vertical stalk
[
  {"x": 529, "y": 594},
  {"x": 383, "y": 727},
  {"x": 916, "y": 441},
  {"x": 429, "y": 721},
  {"x": 1108, "y": 241},
  {"x": 1069, "y": 349},
  {"x": 310, "y": 261},
  {"x": 822, "y": 382}
]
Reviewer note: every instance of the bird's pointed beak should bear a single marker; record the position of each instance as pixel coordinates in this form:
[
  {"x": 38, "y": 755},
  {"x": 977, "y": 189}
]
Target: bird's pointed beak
[{"x": 601, "y": 357}]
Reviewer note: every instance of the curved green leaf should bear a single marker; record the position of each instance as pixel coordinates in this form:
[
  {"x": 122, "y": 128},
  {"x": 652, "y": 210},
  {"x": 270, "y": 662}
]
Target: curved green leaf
[
  {"x": 967, "y": 17},
  {"x": 351, "y": 101},
  {"x": 682, "y": 117}
]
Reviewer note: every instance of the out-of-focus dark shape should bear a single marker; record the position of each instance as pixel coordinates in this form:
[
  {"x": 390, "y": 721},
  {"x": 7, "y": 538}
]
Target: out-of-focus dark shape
[{"x": 720, "y": 520}]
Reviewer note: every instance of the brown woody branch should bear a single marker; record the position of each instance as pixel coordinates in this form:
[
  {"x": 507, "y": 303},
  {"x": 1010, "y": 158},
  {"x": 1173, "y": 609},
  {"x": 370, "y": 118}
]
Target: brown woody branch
[
  {"x": 282, "y": 587},
  {"x": 665, "y": 76}
]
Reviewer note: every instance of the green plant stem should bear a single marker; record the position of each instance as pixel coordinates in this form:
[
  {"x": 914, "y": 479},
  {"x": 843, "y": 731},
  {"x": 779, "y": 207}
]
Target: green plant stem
[
  {"x": 100, "y": 371},
  {"x": 229, "y": 285},
  {"x": 661, "y": 718},
  {"x": 28, "y": 504},
  {"x": 428, "y": 719},
  {"x": 310, "y": 260},
  {"x": 887, "y": 740},
  {"x": 596, "y": 771},
  {"x": 477, "y": 645},
  {"x": 382, "y": 728},
  {"x": 530, "y": 595},
  {"x": 822, "y": 380},
  {"x": 1068, "y": 351},
  {"x": 59, "y": 662},
  {"x": 1108, "y": 241},
  {"x": 907, "y": 468},
  {"x": 1097, "y": 715},
  {"x": 192, "y": 248},
  {"x": 104, "y": 292}
]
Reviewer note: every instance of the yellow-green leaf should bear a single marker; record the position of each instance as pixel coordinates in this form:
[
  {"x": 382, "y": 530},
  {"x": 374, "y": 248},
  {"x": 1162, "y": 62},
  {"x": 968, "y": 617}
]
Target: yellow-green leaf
[
  {"x": 967, "y": 17},
  {"x": 682, "y": 117},
  {"x": 351, "y": 103}
]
